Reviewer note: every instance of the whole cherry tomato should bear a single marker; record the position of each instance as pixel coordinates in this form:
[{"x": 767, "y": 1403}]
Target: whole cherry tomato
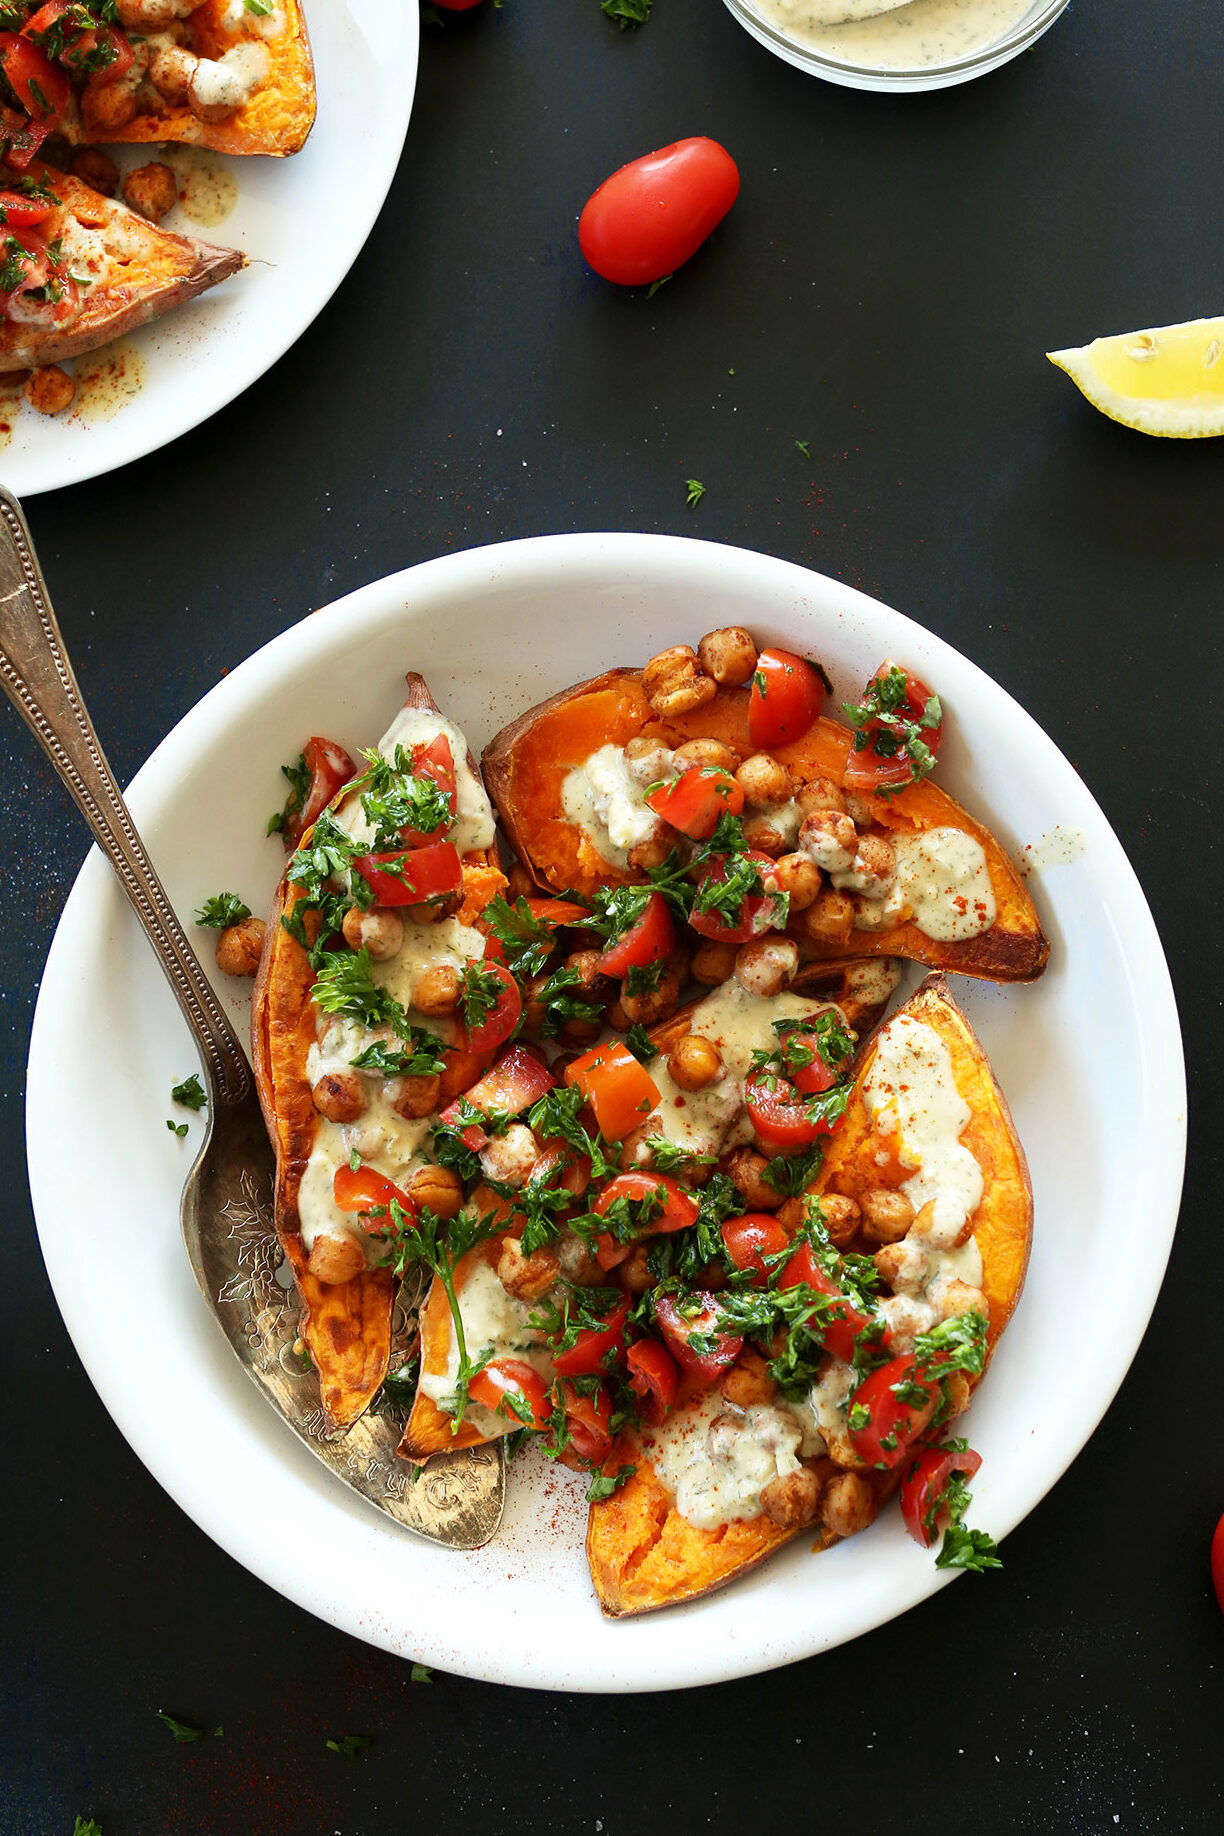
[
  {"x": 653, "y": 214},
  {"x": 750, "y": 1238},
  {"x": 785, "y": 699}
]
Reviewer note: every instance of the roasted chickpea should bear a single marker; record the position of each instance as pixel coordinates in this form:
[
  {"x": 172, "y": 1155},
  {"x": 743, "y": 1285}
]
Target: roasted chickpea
[
  {"x": 957, "y": 1390},
  {"x": 887, "y": 1214},
  {"x": 798, "y": 878},
  {"x": 526, "y": 1278},
  {"x": 764, "y": 781},
  {"x": 746, "y": 1170},
  {"x": 616, "y": 1018},
  {"x": 766, "y": 965},
  {"x": 874, "y": 867},
  {"x": 829, "y": 919},
  {"x": 437, "y": 1189},
  {"x": 709, "y": 752},
  {"x": 652, "y": 850},
  {"x": 413, "y": 1097},
  {"x": 842, "y": 1218},
  {"x": 941, "y": 1233},
  {"x": 509, "y": 1158},
  {"x": 151, "y": 190},
  {"x": 336, "y": 1259},
  {"x": 675, "y": 683},
  {"x": 694, "y": 1061},
  {"x": 49, "y": 390},
  {"x": 792, "y": 1500},
  {"x": 848, "y": 1504},
  {"x": 436, "y": 990},
  {"x": 577, "y": 1263},
  {"x": 748, "y": 1381},
  {"x": 239, "y": 947},
  {"x": 829, "y": 839},
  {"x": 660, "y": 1002},
  {"x": 107, "y": 107},
  {"x": 635, "y": 1271},
  {"x": 761, "y": 833},
  {"x": 960, "y": 1297},
  {"x": 436, "y": 910},
  {"x": 713, "y": 963},
  {"x": 729, "y": 655},
  {"x": 340, "y": 1096},
  {"x": 820, "y": 794},
  {"x": 842, "y": 1451},
  {"x": 380, "y": 931},
  {"x": 148, "y": 15},
  {"x": 901, "y": 1266},
  {"x": 95, "y": 169},
  {"x": 171, "y": 72}
]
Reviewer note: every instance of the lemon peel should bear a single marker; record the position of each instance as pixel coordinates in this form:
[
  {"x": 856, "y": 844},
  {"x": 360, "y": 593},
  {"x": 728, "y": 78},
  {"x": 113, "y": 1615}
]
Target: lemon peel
[{"x": 1168, "y": 381}]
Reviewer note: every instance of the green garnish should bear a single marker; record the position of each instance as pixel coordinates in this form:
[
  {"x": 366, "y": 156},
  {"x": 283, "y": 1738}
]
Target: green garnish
[
  {"x": 350, "y": 1745},
  {"x": 694, "y": 492},
  {"x": 222, "y": 910},
  {"x": 604, "y": 1484},
  {"x": 190, "y": 1093}
]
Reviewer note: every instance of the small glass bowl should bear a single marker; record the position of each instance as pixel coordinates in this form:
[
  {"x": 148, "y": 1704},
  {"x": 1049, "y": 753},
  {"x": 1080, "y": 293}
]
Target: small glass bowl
[{"x": 1039, "y": 18}]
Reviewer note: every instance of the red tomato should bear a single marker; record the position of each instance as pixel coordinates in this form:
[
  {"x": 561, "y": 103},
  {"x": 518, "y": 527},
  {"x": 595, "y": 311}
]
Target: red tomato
[
  {"x": 865, "y": 769},
  {"x": 503, "y": 1377},
  {"x": 700, "y": 1315},
  {"x": 589, "y": 1419},
  {"x": 435, "y": 761},
  {"x": 330, "y": 768},
  {"x": 839, "y": 1337},
  {"x": 586, "y": 1358},
  {"x": 17, "y": 212},
  {"x": 621, "y": 1091},
  {"x": 39, "y": 85},
  {"x": 516, "y": 1081},
  {"x": 502, "y": 1018},
  {"x": 779, "y": 1114},
  {"x": 756, "y": 912},
  {"x": 413, "y": 876},
  {"x": 785, "y": 699},
  {"x": 679, "y": 1210},
  {"x": 20, "y": 138},
  {"x": 362, "y": 1189},
  {"x": 653, "y": 935},
  {"x": 83, "y": 50},
  {"x": 653, "y": 1377},
  {"x": 922, "y": 1485},
  {"x": 458, "y": 6},
  {"x": 44, "y": 18},
  {"x": 1217, "y": 1551},
  {"x": 556, "y": 913},
  {"x": 750, "y": 1238},
  {"x": 695, "y": 800},
  {"x": 653, "y": 214},
  {"x": 893, "y": 1425}
]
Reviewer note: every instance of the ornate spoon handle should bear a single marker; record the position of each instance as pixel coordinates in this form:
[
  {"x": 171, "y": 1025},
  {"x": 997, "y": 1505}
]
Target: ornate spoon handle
[{"x": 38, "y": 679}]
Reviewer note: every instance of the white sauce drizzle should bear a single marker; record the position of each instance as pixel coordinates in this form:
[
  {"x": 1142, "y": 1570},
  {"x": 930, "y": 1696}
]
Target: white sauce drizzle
[
  {"x": 717, "y": 1459},
  {"x": 474, "y": 816},
  {"x": 911, "y": 1089},
  {"x": 1058, "y": 847},
  {"x": 495, "y": 1322},
  {"x": 604, "y": 797},
  {"x": 942, "y": 883}
]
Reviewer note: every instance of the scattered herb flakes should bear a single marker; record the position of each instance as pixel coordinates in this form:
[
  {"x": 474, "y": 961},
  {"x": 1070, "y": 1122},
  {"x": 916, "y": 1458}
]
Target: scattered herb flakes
[
  {"x": 604, "y": 1484},
  {"x": 656, "y": 284},
  {"x": 184, "y": 1733},
  {"x": 628, "y": 14},
  {"x": 176, "y": 1128},
  {"x": 422, "y": 1673},
  {"x": 190, "y": 1093},
  {"x": 222, "y": 909},
  {"x": 85, "y": 1826},
  {"x": 349, "y": 1744},
  {"x": 695, "y": 491},
  {"x": 805, "y": 447}
]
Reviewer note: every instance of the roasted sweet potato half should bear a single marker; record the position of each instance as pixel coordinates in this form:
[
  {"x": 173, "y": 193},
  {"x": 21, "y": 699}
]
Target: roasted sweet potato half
[
  {"x": 346, "y": 1324},
  {"x": 643, "y": 1553},
  {"x": 93, "y": 270},
  {"x": 527, "y": 764}
]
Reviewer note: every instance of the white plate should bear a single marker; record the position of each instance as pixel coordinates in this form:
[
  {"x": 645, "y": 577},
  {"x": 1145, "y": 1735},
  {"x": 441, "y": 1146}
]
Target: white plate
[
  {"x": 302, "y": 221},
  {"x": 1090, "y": 1059}
]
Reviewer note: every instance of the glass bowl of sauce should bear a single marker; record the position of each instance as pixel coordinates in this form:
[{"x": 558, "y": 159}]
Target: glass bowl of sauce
[{"x": 897, "y": 44}]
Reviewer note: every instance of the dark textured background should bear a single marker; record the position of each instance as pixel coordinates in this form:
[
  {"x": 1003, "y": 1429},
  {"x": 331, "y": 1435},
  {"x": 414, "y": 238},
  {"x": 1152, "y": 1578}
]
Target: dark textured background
[{"x": 884, "y": 290}]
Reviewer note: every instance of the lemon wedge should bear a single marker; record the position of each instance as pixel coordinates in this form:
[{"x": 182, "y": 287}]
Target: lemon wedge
[{"x": 1169, "y": 381}]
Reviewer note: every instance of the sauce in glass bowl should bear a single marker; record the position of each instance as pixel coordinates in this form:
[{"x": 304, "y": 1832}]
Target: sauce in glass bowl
[{"x": 915, "y": 35}]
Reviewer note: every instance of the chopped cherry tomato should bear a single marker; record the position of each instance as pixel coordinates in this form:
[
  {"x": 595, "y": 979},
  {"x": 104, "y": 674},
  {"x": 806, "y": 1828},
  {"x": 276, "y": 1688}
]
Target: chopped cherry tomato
[
  {"x": 505, "y": 1377},
  {"x": 413, "y": 876},
  {"x": 922, "y": 1486},
  {"x": 21, "y": 138},
  {"x": 889, "y": 719},
  {"x": 750, "y": 1238},
  {"x": 653, "y": 1377},
  {"x": 755, "y": 914},
  {"x": 653, "y": 936},
  {"x": 39, "y": 85},
  {"x": 502, "y": 1018},
  {"x": 330, "y": 768},
  {"x": 557, "y": 913},
  {"x": 84, "y": 53},
  {"x": 653, "y": 214},
  {"x": 517, "y": 1080},
  {"x": 679, "y": 1210},
  {"x": 893, "y": 1424},
  {"x": 44, "y": 18},
  {"x": 362, "y": 1189},
  {"x": 588, "y": 1416},
  {"x": 785, "y": 699},
  {"x": 695, "y": 800},
  {"x": 697, "y": 1313},
  {"x": 839, "y": 1335},
  {"x": 1217, "y": 1552},
  {"x": 17, "y": 212},
  {"x": 780, "y": 1115},
  {"x": 436, "y": 762},
  {"x": 621, "y": 1091},
  {"x": 589, "y": 1354}
]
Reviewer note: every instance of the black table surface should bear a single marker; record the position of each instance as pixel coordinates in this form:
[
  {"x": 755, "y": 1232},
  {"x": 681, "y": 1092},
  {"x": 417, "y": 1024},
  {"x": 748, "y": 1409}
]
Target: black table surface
[{"x": 884, "y": 291}]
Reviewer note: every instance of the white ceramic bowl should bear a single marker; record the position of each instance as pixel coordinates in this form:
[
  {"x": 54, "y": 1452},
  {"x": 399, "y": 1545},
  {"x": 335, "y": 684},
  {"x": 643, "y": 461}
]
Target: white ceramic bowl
[
  {"x": 851, "y": 75},
  {"x": 1090, "y": 1058}
]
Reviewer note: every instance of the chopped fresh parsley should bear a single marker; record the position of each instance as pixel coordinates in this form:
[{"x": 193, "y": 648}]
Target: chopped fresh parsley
[
  {"x": 350, "y": 1745},
  {"x": 299, "y": 776},
  {"x": 527, "y": 941},
  {"x": 957, "y": 1344},
  {"x": 345, "y": 985},
  {"x": 555, "y": 1116},
  {"x": 604, "y": 1484},
  {"x": 394, "y": 797},
  {"x": 421, "y": 1056},
  {"x": 643, "y": 978},
  {"x": 261, "y": 8},
  {"x": 628, "y": 13},
  {"x": 428, "y": 1241},
  {"x": 805, "y": 447},
  {"x": 85, "y": 1826},
  {"x": 641, "y": 1044},
  {"x": 190, "y": 1093},
  {"x": 421, "y": 1673},
  {"x": 184, "y": 1733},
  {"x": 557, "y": 998},
  {"x": 480, "y": 990},
  {"x": 694, "y": 492},
  {"x": 792, "y": 1174},
  {"x": 971, "y": 1549},
  {"x": 176, "y": 1128},
  {"x": 400, "y": 1386},
  {"x": 885, "y": 726},
  {"x": 222, "y": 909}
]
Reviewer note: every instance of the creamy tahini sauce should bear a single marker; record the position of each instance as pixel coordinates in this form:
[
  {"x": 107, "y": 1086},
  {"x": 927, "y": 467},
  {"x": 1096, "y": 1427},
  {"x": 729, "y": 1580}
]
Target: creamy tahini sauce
[
  {"x": 493, "y": 1322},
  {"x": 108, "y": 379},
  {"x": 912, "y": 36},
  {"x": 1058, "y": 847},
  {"x": 942, "y": 884},
  {"x": 207, "y": 189},
  {"x": 911, "y": 1089},
  {"x": 717, "y": 1460},
  {"x": 605, "y": 797}
]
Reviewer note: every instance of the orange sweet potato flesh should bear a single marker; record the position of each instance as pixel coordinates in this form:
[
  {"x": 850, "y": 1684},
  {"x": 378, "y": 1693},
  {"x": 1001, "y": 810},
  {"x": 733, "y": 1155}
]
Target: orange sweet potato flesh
[
  {"x": 346, "y": 1325},
  {"x": 525, "y": 767},
  {"x": 642, "y": 1554},
  {"x": 275, "y": 120}
]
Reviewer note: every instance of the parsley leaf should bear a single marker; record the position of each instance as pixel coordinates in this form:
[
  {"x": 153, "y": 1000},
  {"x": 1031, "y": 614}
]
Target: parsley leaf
[
  {"x": 694, "y": 492},
  {"x": 971, "y": 1549},
  {"x": 604, "y": 1484},
  {"x": 176, "y": 1128},
  {"x": 222, "y": 909},
  {"x": 422, "y": 1673},
  {"x": 560, "y": 1004},
  {"x": 641, "y": 1044},
  {"x": 628, "y": 13},
  {"x": 345, "y": 985},
  {"x": 298, "y": 775},
  {"x": 350, "y": 1745},
  {"x": 643, "y": 978},
  {"x": 190, "y": 1093},
  {"x": 527, "y": 941},
  {"x": 183, "y": 1733},
  {"x": 429, "y": 1241},
  {"x": 805, "y": 447},
  {"x": 556, "y": 1115},
  {"x": 85, "y": 1826},
  {"x": 957, "y": 1344},
  {"x": 421, "y": 1058},
  {"x": 480, "y": 989}
]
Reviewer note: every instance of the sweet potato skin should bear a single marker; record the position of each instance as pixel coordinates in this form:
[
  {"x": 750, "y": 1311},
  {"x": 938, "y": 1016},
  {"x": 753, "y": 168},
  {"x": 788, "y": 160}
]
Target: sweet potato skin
[
  {"x": 346, "y": 1326},
  {"x": 276, "y": 120},
  {"x": 526, "y": 765},
  {"x": 642, "y": 1554},
  {"x": 162, "y": 271}
]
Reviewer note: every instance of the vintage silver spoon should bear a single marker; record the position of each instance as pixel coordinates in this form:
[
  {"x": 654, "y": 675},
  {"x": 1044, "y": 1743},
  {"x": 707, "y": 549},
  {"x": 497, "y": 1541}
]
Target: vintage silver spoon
[{"x": 226, "y": 1213}]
